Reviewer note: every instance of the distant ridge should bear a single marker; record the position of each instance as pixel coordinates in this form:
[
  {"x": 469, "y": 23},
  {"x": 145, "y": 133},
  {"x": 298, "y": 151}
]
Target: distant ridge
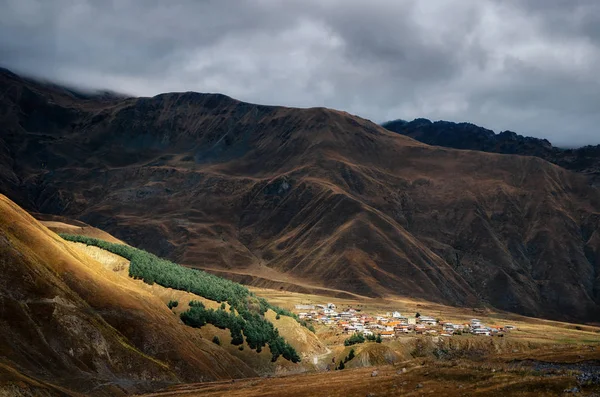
[{"x": 469, "y": 136}]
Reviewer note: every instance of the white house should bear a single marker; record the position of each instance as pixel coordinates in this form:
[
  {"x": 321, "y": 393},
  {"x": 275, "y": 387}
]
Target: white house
[
  {"x": 330, "y": 306},
  {"x": 428, "y": 320},
  {"x": 396, "y": 315}
]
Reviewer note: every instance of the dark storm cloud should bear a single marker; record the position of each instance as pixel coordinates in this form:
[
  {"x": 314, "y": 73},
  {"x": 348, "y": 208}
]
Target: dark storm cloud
[{"x": 529, "y": 66}]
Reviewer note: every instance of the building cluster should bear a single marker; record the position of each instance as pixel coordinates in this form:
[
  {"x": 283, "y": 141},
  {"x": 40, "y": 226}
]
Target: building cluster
[{"x": 392, "y": 324}]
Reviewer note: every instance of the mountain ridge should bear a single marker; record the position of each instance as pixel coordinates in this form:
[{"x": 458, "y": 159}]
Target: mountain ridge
[
  {"x": 585, "y": 159},
  {"x": 320, "y": 196}
]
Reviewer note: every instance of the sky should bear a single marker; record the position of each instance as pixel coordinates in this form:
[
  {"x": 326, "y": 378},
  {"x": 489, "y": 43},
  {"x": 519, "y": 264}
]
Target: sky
[{"x": 530, "y": 66}]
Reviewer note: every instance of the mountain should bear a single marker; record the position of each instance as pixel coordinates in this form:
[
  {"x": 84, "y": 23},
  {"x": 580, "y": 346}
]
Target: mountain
[
  {"x": 306, "y": 198},
  {"x": 585, "y": 160},
  {"x": 72, "y": 327}
]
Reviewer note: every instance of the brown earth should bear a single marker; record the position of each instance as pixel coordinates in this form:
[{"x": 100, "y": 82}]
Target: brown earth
[
  {"x": 422, "y": 376},
  {"x": 70, "y": 326},
  {"x": 320, "y": 197}
]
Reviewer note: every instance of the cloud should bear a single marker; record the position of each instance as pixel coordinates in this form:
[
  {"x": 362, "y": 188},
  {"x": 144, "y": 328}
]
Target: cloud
[{"x": 525, "y": 65}]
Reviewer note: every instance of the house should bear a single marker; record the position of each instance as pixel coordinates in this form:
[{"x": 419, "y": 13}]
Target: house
[
  {"x": 428, "y": 320},
  {"x": 329, "y": 312},
  {"x": 449, "y": 328},
  {"x": 396, "y": 315},
  {"x": 481, "y": 331},
  {"x": 475, "y": 322},
  {"x": 411, "y": 320},
  {"x": 387, "y": 334},
  {"x": 330, "y": 306}
]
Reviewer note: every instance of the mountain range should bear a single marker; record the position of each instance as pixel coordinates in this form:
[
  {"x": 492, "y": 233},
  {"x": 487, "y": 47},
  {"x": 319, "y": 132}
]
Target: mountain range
[{"x": 308, "y": 199}]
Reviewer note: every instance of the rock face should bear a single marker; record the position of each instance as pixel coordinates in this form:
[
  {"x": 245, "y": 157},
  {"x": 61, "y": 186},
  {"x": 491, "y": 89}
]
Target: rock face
[
  {"x": 585, "y": 160},
  {"x": 306, "y": 197}
]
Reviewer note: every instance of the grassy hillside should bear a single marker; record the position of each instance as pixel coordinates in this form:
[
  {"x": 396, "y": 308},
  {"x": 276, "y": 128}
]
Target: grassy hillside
[
  {"x": 247, "y": 310},
  {"x": 70, "y": 326}
]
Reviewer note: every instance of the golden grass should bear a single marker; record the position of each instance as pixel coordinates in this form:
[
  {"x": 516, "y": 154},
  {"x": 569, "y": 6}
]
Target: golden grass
[
  {"x": 529, "y": 330},
  {"x": 305, "y": 342},
  {"x": 420, "y": 378}
]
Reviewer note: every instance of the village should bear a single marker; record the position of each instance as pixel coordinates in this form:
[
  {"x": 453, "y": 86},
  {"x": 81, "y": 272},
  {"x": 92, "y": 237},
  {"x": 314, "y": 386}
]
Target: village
[{"x": 393, "y": 324}]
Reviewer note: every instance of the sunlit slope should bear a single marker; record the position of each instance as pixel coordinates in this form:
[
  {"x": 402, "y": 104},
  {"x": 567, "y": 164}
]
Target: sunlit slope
[
  {"x": 69, "y": 320},
  {"x": 306, "y": 344}
]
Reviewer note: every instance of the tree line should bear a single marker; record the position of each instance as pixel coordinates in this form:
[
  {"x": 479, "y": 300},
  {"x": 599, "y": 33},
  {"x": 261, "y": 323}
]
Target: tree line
[{"x": 250, "y": 308}]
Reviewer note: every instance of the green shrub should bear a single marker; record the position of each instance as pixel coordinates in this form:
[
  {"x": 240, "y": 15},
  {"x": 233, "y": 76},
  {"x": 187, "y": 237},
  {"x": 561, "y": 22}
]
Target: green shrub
[
  {"x": 354, "y": 339},
  {"x": 378, "y": 338},
  {"x": 172, "y": 304},
  {"x": 351, "y": 354},
  {"x": 341, "y": 365},
  {"x": 216, "y": 340}
]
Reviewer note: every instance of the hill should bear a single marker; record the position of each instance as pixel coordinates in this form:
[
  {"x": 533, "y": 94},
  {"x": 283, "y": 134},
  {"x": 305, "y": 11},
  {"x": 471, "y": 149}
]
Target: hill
[
  {"x": 306, "y": 198},
  {"x": 72, "y": 326},
  {"x": 469, "y": 136}
]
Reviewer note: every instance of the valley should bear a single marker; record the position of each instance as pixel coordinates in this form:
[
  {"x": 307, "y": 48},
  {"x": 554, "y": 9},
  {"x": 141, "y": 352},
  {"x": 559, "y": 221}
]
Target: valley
[
  {"x": 193, "y": 244},
  {"x": 538, "y": 357}
]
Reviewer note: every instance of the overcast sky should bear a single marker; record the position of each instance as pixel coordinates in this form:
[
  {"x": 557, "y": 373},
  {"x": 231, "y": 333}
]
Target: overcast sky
[{"x": 531, "y": 66}]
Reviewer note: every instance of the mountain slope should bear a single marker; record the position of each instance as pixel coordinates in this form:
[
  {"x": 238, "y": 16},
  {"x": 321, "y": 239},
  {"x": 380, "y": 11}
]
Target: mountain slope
[
  {"x": 315, "y": 196},
  {"x": 469, "y": 136},
  {"x": 69, "y": 324}
]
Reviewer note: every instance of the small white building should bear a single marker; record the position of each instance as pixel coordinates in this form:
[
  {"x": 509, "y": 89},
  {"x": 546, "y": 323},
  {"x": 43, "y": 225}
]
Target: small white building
[
  {"x": 396, "y": 315},
  {"x": 428, "y": 320},
  {"x": 481, "y": 331}
]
